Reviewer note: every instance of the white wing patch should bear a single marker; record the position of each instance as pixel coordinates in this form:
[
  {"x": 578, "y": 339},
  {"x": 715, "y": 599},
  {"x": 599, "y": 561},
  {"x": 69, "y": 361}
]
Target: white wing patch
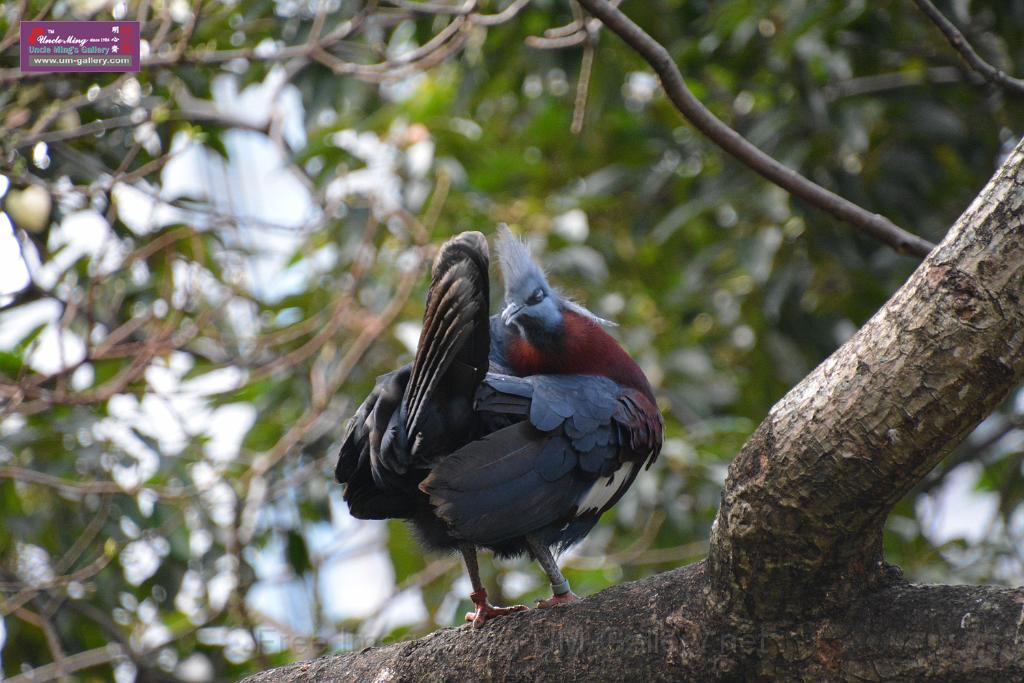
[{"x": 605, "y": 488}]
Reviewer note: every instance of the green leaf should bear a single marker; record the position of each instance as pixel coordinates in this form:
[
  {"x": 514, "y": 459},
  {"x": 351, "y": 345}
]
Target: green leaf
[
  {"x": 10, "y": 364},
  {"x": 406, "y": 555},
  {"x": 297, "y": 553}
]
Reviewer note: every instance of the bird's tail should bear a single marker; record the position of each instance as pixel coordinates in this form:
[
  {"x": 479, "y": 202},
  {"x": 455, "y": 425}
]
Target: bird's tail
[{"x": 452, "y": 355}]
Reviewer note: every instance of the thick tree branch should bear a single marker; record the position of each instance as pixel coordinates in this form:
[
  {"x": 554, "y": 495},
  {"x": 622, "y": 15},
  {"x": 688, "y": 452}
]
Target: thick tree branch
[
  {"x": 961, "y": 45},
  {"x": 806, "y": 497},
  {"x": 903, "y": 632},
  {"x": 873, "y": 225},
  {"x": 667, "y": 628}
]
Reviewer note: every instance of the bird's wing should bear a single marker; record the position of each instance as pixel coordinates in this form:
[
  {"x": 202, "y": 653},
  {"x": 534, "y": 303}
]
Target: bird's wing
[
  {"x": 451, "y": 357},
  {"x": 372, "y": 491},
  {"x": 565, "y": 447},
  {"x": 493, "y": 489},
  {"x": 640, "y": 425},
  {"x": 428, "y": 402}
]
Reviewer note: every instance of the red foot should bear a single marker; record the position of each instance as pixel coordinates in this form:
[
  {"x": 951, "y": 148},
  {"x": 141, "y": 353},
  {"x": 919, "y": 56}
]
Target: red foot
[
  {"x": 556, "y": 600},
  {"x": 485, "y": 610}
]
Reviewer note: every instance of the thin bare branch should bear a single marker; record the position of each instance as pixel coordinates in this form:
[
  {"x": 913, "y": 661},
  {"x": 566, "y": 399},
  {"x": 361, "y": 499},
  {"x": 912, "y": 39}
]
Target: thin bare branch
[
  {"x": 65, "y": 486},
  {"x": 576, "y": 32},
  {"x": 877, "y": 84},
  {"x": 13, "y": 29},
  {"x": 873, "y": 225},
  {"x": 504, "y": 16},
  {"x": 967, "y": 52},
  {"x": 199, "y": 113},
  {"x": 579, "y": 109},
  {"x": 76, "y": 662},
  {"x": 433, "y": 7},
  {"x": 189, "y": 29}
]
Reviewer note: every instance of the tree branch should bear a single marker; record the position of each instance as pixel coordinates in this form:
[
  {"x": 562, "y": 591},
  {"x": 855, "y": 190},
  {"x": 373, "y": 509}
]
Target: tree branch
[
  {"x": 878, "y": 84},
  {"x": 903, "y": 632},
  {"x": 667, "y": 628},
  {"x": 961, "y": 45},
  {"x": 72, "y": 664},
  {"x": 806, "y": 498},
  {"x": 873, "y": 225}
]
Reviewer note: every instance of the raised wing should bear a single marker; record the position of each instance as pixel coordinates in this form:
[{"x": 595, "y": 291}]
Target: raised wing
[
  {"x": 565, "y": 449},
  {"x": 425, "y": 409},
  {"x": 451, "y": 357}
]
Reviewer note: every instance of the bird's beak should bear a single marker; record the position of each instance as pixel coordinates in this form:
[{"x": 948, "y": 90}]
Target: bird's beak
[{"x": 508, "y": 315}]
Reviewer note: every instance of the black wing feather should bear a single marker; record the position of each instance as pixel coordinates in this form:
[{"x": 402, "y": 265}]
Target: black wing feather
[
  {"x": 456, "y": 332},
  {"x": 431, "y": 399}
]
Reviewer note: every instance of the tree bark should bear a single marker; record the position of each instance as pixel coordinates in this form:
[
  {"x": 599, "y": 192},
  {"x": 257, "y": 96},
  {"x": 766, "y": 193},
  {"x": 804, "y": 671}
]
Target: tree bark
[
  {"x": 806, "y": 498},
  {"x": 795, "y": 586}
]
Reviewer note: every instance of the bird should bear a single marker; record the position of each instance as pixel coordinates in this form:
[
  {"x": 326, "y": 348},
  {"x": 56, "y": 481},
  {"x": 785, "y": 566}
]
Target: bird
[{"x": 511, "y": 432}]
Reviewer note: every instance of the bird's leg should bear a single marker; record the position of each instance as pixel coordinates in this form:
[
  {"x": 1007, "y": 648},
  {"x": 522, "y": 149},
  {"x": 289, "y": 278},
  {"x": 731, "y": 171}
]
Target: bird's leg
[
  {"x": 484, "y": 609},
  {"x": 561, "y": 593}
]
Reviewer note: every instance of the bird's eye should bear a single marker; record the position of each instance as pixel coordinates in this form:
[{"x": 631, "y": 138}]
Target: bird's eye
[{"x": 536, "y": 297}]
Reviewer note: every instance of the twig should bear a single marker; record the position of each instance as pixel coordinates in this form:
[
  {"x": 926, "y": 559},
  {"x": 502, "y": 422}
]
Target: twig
[
  {"x": 198, "y": 113},
  {"x": 188, "y": 30},
  {"x": 897, "y": 80},
  {"x": 579, "y": 108},
  {"x": 14, "y": 29},
  {"x": 558, "y": 43},
  {"x": 445, "y": 43},
  {"x": 161, "y": 32},
  {"x": 973, "y": 59},
  {"x": 26, "y": 593},
  {"x": 162, "y": 340},
  {"x": 66, "y": 486},
  {"x": 432, "y": 8},
  {"x": 50, "y": 633},
  {"x": 576, "y": 32},
  {"x": 502, "y": 17},
  {"x": 76, "y": 662},
  {"x": 465, "y": 9},
  {"x": 871, "y": 224}
]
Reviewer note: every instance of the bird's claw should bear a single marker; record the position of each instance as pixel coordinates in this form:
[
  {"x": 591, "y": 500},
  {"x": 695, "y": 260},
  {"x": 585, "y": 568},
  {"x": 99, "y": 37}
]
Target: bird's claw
[
  {"x": 485, "y": 610},
  {"x": 556, "y": 600}
]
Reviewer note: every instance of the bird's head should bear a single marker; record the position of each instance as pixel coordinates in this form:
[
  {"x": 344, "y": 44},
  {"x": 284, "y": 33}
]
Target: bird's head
[{"x": 531, "y": 306}]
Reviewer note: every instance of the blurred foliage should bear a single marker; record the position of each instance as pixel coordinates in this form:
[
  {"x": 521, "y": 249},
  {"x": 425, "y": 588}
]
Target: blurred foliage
[{"x": 231, "y": 251}]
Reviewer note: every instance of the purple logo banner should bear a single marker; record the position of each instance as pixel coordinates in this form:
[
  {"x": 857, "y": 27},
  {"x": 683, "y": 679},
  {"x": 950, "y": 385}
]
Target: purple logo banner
[{"x": 81, "y": 46}]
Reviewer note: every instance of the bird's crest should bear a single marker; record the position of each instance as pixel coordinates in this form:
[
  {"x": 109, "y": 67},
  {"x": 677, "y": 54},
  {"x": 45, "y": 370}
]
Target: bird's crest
[
  {"x": 518, "y": 268},
  {"x": 515, "y": 261}
]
